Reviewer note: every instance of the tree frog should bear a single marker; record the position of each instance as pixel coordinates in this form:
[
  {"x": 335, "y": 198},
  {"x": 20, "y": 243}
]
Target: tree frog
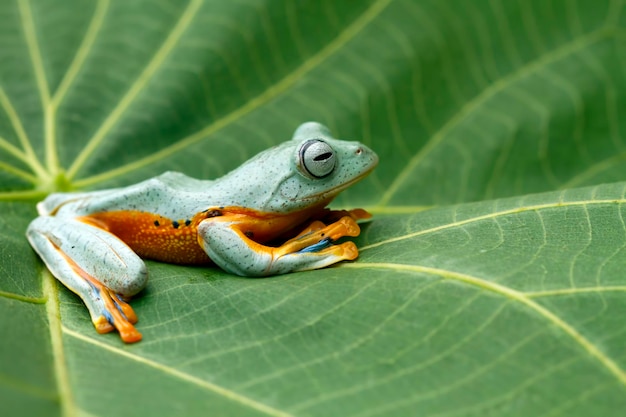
[{"x": 266, "y": 217}]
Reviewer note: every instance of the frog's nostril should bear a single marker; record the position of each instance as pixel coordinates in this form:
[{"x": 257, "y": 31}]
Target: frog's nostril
[{"x": 359, "y": 151}]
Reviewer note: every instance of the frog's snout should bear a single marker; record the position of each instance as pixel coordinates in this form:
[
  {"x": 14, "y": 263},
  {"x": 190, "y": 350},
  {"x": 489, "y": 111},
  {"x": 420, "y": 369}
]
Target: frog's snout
[{"x": 368, "y": 157}]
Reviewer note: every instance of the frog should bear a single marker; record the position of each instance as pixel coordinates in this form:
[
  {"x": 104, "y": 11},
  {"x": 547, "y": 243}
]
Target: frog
[{"x": 267, "y": 217}]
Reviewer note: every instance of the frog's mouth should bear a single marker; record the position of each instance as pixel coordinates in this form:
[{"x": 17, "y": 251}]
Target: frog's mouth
[
  {"x": 348, "y": 184},
  {"x": 331, "y": 193}
]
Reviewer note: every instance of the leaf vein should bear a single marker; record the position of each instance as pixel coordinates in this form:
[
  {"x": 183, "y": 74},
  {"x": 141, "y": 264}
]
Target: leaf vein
[
  {"x": 493, "y": 89},
  {"x": 224, "y": 392},
  {"x": 140, "y": 83},
  {"x": 24, "y": 298},
  {"x": 51, "y": 293},
  {"x": 458, "y": 383},
  {"x": 269, "y": 94},
  {"x": 82, "y": 52},
  {"x": 516, "y": 210},
  {"x": 577, "y": 290},
  {"x": 610, "y": 365},
  {"x": 346, "y": 349},
  {"x": 28, "y": 155},
  {"x": 278, "y": 337}
]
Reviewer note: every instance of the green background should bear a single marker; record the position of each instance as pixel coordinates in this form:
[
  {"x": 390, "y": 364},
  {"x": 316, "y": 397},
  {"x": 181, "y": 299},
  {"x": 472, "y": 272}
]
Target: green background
[{"x": 491, "y": 278}]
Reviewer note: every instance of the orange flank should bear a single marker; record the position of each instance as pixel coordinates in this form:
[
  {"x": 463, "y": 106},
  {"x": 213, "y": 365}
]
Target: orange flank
[{"x": 152, "y": 236}]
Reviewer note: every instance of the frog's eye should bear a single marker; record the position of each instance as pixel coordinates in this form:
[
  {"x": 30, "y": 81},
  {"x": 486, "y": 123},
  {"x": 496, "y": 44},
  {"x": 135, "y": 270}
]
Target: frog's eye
[{"x": 317, "y": 158}]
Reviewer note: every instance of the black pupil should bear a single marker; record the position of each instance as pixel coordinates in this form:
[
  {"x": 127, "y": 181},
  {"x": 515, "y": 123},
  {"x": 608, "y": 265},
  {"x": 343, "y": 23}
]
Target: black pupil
[{"x": 323, "y": 156}]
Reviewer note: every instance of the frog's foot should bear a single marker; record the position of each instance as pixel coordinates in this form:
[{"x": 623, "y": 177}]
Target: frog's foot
[
  {"x": 317, "y": 237},
  {"x": 313, "y": 248},
  {"x": 116, "y": 314},
  {"x": 103, "y": 325},
  {"x": 96, "y": 266}
]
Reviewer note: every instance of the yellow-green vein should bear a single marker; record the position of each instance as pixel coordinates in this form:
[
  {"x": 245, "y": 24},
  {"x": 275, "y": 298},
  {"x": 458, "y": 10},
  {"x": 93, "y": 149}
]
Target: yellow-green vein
[
  {"x": 53, "y": 103},
  {"x": 437, "y": 357},
  {"x": 483, "y": 407},
  {"x": 155, "y": 63},
  {"x": 492, "y": 216},
  {"x": 22, "y": 195},
  {"x": 514, "y": 295},
  {"x": 580, "y": 290},
  {"x": 33, "y": 50},
  {"x": 580, "y": 398},
  {"x": 50, "y": 291},
  {"x": 24, "y": 298},
  {"x": 346, "y": 347},
  {"x": 275, "y": 337},
  {"x": 18, "y": 172},
  {"x": 82, "y": 52},
  {"x": 464, "y": 381},
  {"x": 269, "y": 94},
  {"x": 486, "y": 94},
  {"x": 40, "y": 78},
  {"x": 224, "y": 392},
  {"x": 13, "y": 150},
  {"x": 28, "y": 156}
]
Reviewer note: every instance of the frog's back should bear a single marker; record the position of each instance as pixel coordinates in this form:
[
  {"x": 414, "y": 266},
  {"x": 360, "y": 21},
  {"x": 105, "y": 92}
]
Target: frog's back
[
  {"x": 54, "y": 202},
  {"x": 171, "y": 194}
]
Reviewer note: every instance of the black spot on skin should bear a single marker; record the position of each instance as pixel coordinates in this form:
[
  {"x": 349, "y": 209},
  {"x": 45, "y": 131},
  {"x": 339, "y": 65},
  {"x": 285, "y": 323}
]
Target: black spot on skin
[
  {"x": 175, "y": 224},
  {"x": 249, "y": 234},
  {"x": 187, "y": 222},
  {"x": 156, "y": 223}
]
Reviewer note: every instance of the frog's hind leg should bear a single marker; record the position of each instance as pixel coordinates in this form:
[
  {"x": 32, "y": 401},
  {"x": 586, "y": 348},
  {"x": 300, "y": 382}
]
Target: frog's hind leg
[
  {"x": 94, "y": 264},
  {"x": 230, "y": 248}
]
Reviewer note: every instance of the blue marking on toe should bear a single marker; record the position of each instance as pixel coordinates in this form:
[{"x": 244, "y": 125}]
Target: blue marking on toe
[
  {"x": 108, "y": 316},
  {"x": 322, "y": 244},
  {"x": 105, "y": 312},
  {"x": 117, "y": 305},
  {"x": 93, "y": 287}
]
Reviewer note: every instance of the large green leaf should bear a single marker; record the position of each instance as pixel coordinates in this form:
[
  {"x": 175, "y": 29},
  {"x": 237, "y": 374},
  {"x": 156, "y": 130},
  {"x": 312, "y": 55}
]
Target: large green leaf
[{"x": 506, "y": 297}]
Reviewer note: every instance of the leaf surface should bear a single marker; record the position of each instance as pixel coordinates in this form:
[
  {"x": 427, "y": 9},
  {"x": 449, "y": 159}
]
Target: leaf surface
[{"x": 490, "y": 281}]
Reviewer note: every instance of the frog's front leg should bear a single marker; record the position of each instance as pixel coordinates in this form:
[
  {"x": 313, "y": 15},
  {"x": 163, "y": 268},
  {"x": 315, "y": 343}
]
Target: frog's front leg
[
  {"x": 227, "y": 245},
  {"x": 94, "y": 264}
]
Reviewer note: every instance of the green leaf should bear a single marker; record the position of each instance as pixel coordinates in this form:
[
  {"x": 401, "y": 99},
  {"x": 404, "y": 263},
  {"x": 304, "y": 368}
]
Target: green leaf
[{"x": 491, "y": 278}]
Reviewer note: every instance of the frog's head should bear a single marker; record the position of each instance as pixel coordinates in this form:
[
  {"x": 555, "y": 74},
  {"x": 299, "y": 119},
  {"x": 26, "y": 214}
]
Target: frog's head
[
  {"x": 324, "y": 166},
  {"x": 308, "y": 170}
]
